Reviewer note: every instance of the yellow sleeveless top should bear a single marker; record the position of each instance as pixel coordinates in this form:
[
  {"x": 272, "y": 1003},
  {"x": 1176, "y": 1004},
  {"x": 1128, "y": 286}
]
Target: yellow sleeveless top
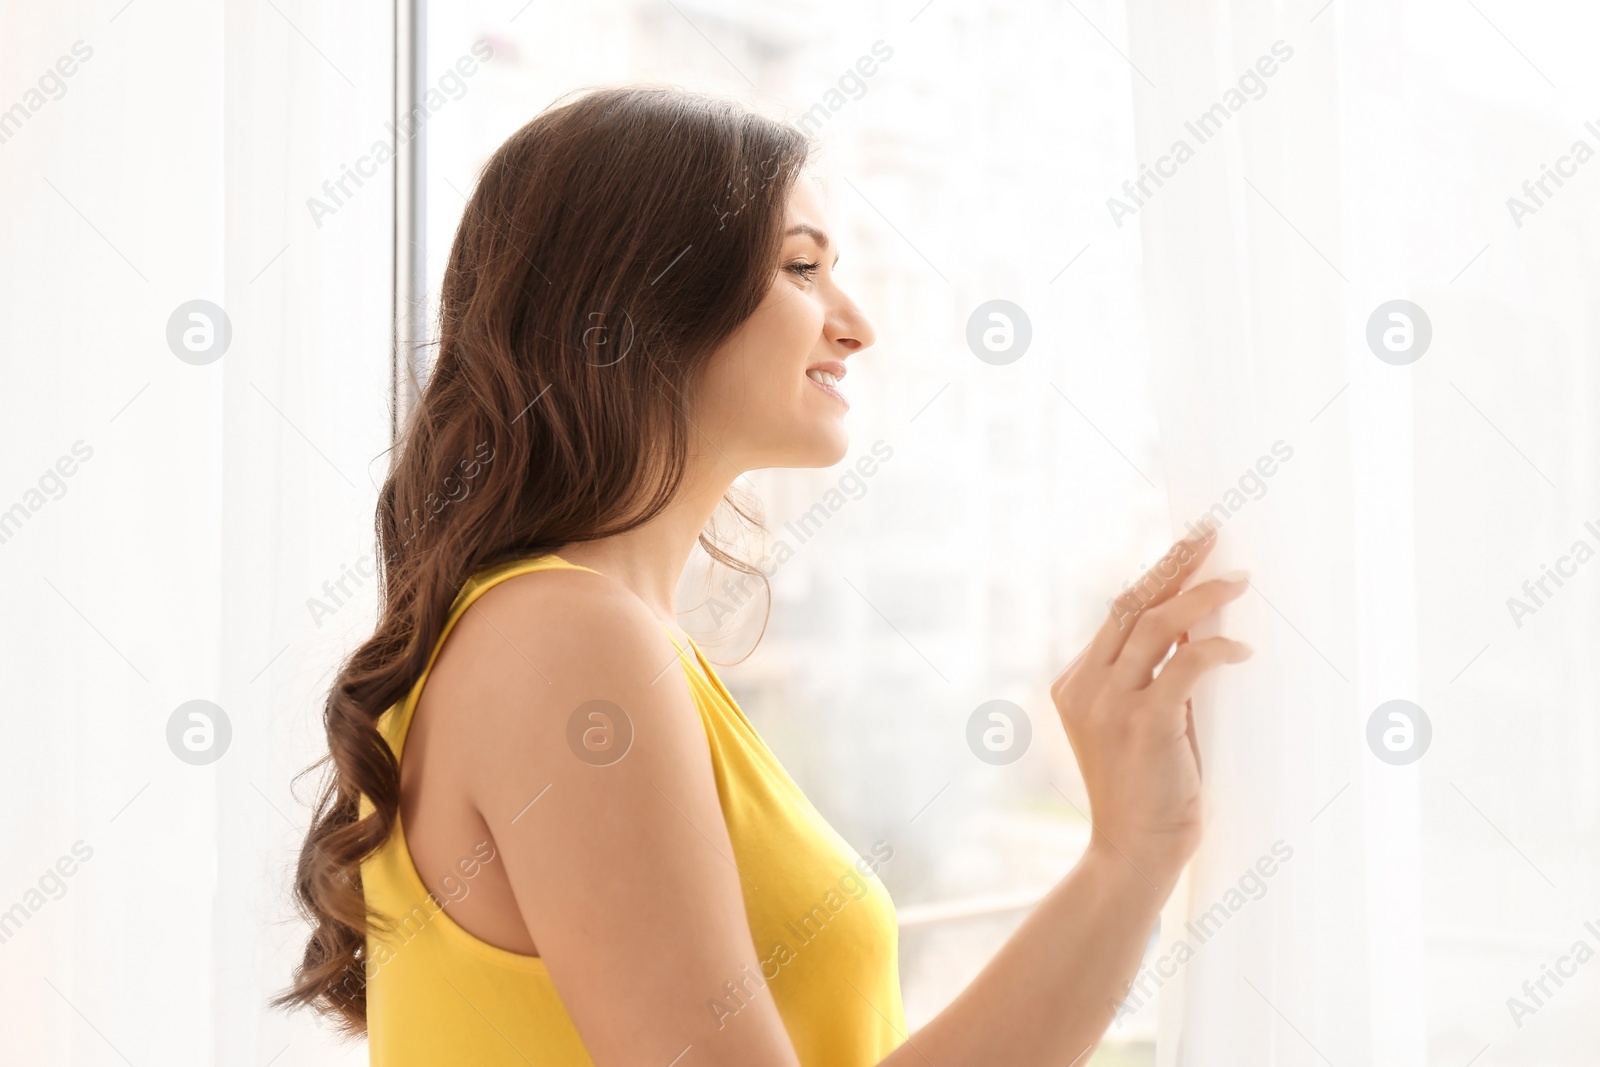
[{"x": 822, "y": 924}]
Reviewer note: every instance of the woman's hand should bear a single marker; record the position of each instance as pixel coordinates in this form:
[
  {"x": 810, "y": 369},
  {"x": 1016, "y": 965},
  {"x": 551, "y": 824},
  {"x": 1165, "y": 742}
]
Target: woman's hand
[
  {"x": 1050, "y": 991},
  {"x": 1132, "y": 729}
]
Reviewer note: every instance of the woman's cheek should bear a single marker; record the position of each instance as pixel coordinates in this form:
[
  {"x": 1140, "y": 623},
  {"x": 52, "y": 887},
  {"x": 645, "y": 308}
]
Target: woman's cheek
[{"x": 804, "y": 322}]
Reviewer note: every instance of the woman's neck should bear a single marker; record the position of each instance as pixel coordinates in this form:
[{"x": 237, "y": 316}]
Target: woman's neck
[{"x": 650, "y": 558}]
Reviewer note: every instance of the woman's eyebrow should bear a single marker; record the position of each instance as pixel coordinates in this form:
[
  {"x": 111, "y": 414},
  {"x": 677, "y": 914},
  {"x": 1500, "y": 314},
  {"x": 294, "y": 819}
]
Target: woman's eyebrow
[
  {"x": 811, "y": 232},
  {"x": 807, "y": 230}
]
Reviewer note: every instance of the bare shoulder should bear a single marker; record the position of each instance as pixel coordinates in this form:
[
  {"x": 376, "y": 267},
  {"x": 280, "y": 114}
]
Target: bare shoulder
[
  {"x": 541, "y": 644},
  {"x": 570, "y": 611}
]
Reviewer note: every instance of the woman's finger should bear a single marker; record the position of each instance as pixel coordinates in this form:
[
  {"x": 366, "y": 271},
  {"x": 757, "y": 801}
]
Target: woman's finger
[
  {"x": 1156, "y": 586},
  {"x": 1175, "y": 684},
  {"x": 1159, "y": 627}
]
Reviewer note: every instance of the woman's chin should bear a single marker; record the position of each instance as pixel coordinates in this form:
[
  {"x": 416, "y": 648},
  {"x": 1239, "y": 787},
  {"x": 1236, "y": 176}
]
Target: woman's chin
[
  {"x": 823, "y": 447},
  {"x": 835, "y": 448}
]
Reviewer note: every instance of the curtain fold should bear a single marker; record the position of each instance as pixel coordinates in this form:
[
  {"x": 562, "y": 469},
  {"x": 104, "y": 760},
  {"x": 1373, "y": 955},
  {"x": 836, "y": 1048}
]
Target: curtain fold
[{"x": 1296, "y": 932}]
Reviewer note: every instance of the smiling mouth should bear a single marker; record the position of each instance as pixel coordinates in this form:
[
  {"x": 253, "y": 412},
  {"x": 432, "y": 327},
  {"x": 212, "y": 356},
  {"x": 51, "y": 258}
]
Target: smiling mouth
[{"x": 827, "y": 383}]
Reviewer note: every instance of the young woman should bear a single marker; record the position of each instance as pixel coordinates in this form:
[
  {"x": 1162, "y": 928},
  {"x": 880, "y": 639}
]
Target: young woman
[{"x": 550, "y": 835}]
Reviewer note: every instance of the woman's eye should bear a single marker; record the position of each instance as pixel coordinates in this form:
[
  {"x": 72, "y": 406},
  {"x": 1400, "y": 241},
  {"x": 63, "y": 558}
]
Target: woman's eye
[{"x": 804, "y": 270}]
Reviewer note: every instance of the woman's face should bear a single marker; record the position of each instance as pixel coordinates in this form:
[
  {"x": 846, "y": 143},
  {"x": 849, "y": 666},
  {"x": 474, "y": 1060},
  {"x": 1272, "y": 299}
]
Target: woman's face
[{"x": 759, "y": 403}]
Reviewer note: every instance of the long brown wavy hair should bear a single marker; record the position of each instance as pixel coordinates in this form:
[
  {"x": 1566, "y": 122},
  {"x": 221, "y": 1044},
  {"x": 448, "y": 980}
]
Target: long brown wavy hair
[{"x": 610, "y": 246}]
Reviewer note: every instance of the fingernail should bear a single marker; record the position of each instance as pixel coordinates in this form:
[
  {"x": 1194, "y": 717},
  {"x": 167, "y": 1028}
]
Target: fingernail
[
  {"x": 1245, "y": 651},
  {"x": 1234, "y": 576}
]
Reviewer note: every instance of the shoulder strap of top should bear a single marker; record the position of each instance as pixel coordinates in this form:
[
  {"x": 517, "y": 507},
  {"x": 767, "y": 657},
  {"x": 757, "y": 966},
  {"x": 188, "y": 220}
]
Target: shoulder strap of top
[
  {"x": 399, "y": 716},
  {"x": 473, "y": 588}
]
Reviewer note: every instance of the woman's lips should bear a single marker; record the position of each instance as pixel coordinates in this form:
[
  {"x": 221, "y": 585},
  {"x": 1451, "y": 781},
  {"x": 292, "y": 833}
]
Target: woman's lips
[{"x": 830, "y": 390}]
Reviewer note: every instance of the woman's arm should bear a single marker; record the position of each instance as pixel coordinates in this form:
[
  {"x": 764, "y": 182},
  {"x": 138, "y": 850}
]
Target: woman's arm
[{"x": 1052, "y": 989}]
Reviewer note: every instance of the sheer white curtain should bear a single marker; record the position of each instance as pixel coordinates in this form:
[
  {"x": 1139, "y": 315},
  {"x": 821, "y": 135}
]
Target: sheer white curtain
[
  {"x": 1376, "y": 889},
  {"x": 168, "y": 519}
]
